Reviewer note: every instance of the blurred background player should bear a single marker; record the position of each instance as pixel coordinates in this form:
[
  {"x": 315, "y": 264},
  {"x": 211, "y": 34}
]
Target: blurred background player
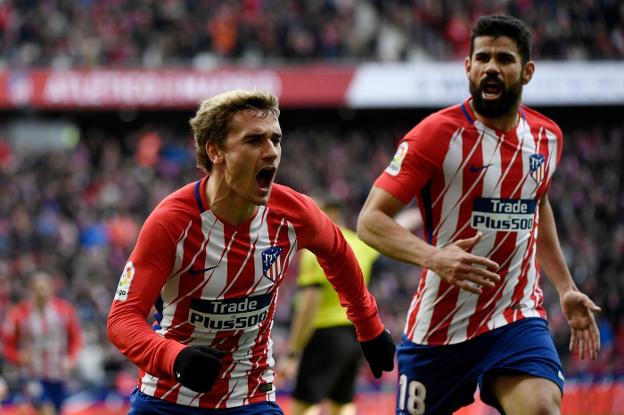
[
  {"x": 323, "y": 351},
  {"x": 42, "y": 337},
  {"x": 481, "y": 171}
]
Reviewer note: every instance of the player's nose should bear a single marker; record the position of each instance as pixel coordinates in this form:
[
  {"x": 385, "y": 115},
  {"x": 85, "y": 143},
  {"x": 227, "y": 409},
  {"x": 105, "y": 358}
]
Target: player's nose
[{"x": 270, "y": 149}]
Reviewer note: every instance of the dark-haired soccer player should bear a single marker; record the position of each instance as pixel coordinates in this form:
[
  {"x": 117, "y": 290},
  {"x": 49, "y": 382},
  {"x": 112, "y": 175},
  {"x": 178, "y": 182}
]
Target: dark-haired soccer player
[
  {"x": 211, "y": 257},
  {"x": 481, "y": 171}
]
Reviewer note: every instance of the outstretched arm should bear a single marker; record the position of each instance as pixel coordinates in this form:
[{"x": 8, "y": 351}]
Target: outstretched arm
[
  {"x": 453, "y": 263},
  {"x": 577, "y": 307}
]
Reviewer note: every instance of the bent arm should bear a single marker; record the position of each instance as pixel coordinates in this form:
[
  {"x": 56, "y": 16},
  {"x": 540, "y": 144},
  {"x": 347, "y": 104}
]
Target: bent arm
[
  {"x": 140, "y": 285},
  {"x": 378, "y": 229},
  {"x": 129, "y": 331},
  {"x": 340, "y": 266},
  {"x": 10, "y": 338}
]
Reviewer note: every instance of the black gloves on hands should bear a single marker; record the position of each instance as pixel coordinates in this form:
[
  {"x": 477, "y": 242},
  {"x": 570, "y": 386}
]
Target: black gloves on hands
[
  {"x": 379, "y": 352},
  {"x": 197, "y": 367}
]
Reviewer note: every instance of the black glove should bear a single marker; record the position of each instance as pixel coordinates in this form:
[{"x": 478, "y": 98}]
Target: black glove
[
  {"x": 379, "y": 352},
  {"x": 197, "y": 367}
]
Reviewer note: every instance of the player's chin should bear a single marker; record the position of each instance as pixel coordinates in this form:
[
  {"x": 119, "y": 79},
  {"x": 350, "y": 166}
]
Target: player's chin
[{"x": 262, "y": 196}]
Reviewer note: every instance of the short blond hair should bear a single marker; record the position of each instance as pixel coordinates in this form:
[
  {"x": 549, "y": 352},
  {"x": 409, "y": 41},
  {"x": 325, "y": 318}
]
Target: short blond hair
[{"x": 213, "y": 119}]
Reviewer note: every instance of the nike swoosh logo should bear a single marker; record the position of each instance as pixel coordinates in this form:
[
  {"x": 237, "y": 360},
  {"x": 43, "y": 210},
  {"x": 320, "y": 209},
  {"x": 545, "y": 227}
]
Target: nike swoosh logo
[
  {"x": 201, "y": 271},
  {"x": 477, "y": 169}
]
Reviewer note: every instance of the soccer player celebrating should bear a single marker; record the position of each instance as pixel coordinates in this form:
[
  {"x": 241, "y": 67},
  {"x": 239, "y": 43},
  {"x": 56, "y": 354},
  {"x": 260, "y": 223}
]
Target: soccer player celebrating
[
  {"x": 481, "y": 171},
  {"x": 211, "y": 257}
]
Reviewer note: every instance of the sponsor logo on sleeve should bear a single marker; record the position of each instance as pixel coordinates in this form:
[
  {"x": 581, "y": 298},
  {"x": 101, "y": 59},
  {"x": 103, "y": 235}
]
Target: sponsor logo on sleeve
[
  {"x": 124, "y": 282},
  {"x": 395, "y": 165},
  {"x": 231, "y": 314},
  {"x": 511, "y": 215}
]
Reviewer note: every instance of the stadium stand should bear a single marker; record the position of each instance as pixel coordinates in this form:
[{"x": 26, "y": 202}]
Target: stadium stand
[{"x": 153, "y": 33}]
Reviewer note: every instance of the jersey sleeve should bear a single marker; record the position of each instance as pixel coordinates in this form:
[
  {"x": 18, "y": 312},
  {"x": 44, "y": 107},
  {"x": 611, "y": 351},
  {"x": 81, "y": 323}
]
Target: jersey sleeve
[
  {"x": 418, "y": 156},
  {"x": 139, "y": 286},
  {"x": 10, "y": 336},
  {"x": 325, "y": 240},
  {"x": 74, "y": 332}
]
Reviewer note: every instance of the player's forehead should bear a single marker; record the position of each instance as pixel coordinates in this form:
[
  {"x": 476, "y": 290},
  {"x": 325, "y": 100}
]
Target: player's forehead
[
  {"x": 495, "y": 44},
  {"x": 254, "y": 121}
]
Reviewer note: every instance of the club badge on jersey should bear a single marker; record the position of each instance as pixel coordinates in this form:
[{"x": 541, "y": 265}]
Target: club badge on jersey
[
  {"x": 537, "y": 167},
  {"x": 270, "y": 264}
]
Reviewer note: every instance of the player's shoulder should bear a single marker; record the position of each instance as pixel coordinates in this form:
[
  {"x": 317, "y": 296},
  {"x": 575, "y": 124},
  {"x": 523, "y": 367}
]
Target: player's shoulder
[
  {"x": 537, "y": 119},
  {"x": 446, "y": 120},
  {"x": 297, "y": 208},
  {"x": 185, "y": 201},
  {"x": 288, "y": 200}
]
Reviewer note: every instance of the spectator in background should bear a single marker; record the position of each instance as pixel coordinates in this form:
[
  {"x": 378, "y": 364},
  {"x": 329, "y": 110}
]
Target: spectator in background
[
  {"x": 42, "y": 337},
  {"x": 323, "y": 351}
]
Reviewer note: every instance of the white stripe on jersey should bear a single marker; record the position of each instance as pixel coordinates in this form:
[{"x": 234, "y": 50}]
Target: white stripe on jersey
[
  {"x": 148, "y": 384},
  {"x": 452, "y": 191},
  {"x": 514, "y": 261},
  {"x": 467, "y": 301}
]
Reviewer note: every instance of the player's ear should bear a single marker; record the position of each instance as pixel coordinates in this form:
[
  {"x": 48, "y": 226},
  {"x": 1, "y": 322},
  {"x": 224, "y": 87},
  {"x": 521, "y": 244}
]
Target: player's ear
[
  {"x": 467, "y": 63},
  {"x": 215, "y": 154},
  {"x": 527, "y": 72}
]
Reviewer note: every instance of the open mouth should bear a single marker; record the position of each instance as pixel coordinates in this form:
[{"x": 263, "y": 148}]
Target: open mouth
[
  {"x": 265, "y": 177},
  {"x": 491, "y": 89}
]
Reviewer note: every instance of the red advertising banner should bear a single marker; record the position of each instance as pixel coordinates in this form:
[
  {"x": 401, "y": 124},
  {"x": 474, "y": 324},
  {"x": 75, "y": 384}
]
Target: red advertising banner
[{"x": 168, "y": 88}]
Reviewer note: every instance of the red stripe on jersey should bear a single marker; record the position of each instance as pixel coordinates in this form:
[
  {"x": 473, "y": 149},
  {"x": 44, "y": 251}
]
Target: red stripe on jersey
[
  {"x": 510, "y": 189},
  {"x": 416, "y": 300},
  {"x": 445, "y": 307},
  {"x": 504, "y": 242},
  {"x": 240, "y": 259},
  {"x": 259, "y": 361}
]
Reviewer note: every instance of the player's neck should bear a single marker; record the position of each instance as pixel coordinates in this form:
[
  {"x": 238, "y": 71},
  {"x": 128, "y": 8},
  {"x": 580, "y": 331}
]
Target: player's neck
[
  {"x": 226, "y": 205},
  {"x": 503, "y": 123}
]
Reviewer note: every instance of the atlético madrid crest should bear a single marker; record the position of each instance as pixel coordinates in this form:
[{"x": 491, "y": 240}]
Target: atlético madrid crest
[
  {"x": 537, "y": 167},
  {"x": 270, "y": 264}
]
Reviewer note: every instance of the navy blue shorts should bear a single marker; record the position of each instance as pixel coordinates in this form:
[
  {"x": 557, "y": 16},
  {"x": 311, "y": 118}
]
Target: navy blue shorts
[
  {"x": 42, "y": 392},
  {"x": 442, "y": 379},
  {"x": 142, "y": 404}
]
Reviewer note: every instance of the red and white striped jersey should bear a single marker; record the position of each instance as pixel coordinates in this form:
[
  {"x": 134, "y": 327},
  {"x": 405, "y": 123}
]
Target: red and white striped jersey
[
  {"x": 216, "y": 284},
  {"x": 47, "y": 336},
  {"x": 469, "y": 178}
]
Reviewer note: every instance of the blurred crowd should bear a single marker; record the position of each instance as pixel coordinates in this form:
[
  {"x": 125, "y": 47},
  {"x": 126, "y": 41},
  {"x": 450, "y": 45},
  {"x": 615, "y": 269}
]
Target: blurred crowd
[
  {"x": 154, "y": 33},
  {"x": 76, "y": 213}
]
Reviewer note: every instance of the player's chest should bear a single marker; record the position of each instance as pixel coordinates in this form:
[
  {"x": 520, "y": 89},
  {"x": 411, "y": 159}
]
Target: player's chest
[
  {"x": 236, "y": 261},
  {"x": 514, "y": 164}
]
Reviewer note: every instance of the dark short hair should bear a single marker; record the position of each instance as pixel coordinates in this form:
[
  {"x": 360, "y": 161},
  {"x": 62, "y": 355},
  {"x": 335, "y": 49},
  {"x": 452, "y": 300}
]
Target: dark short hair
[{"x": 504, "y": 25}]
